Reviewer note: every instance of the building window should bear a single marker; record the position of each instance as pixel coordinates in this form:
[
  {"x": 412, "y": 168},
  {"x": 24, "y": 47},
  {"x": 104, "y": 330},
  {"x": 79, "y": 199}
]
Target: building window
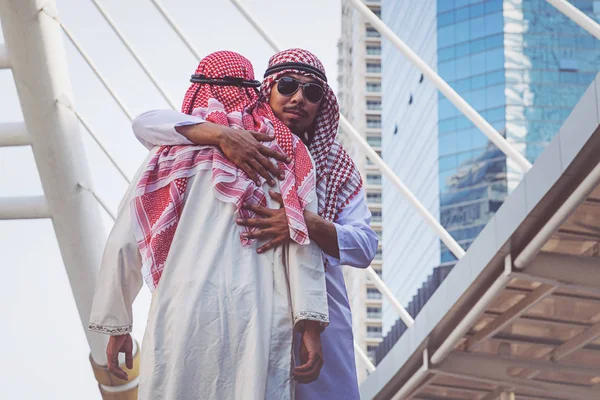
[
  {"x": 374, "y": 313},
  {"x": 374, "y": 141},
  {"x": 374, "y": 198},
  {"x": 379, "y": 234},
  {"x": 372, "y": 32},
  {"x": 371, "y": 351},
  {"x": 373, "y": 87},
  {"x": 410, "y": 99},
  {"x": 567, "y": 64},
  {"x": 379, "y": 254},
  {"x": 374, "y": 331},
  {"x": 373, "y": 294},
  {"x": 374, "y": 122},
  {"x": 374, "y": 179},
  {"x": 373, "y": 105},
  {"x": 421, "y": 78},
  {"x": 373, "y": 68},
  {"x": 373, "y": 50},
  {"x": 376, "y": 216}
]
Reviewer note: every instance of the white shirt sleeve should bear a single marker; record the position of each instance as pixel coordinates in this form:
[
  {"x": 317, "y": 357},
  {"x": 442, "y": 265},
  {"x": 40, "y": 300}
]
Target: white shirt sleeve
[
  {"x": 120, "y": 276},
  {"x": 357, "y": 242},
  {"x": 157, "y": 128},
  {"x": 119, "y": 280}
]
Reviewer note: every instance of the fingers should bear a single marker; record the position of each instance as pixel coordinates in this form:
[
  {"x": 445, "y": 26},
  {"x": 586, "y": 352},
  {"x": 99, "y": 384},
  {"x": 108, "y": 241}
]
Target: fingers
[
  {"x": 258, "y": 167},
  {"x": 253, "y": 222},
  {"x": 276, "y": 196},
  {"x": 272, "y": 244},
  {"x": 112, "y": 358},
  {"x": 262, "y": 137},
  {"x": 249, "y": 170},
  {"x": 265, "y": 151},
  {"x": 271, "y": 167},
  {"x": 129, "y": 359},
  {"x": 309, "y": 371},
  {"x": 260, "y": 210},
  {"x": 257, "y": 234}
]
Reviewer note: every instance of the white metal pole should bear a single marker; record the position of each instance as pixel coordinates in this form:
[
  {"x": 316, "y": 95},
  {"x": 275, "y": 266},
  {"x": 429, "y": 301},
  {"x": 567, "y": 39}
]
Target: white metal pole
[
  {"x": 386, "y": 171},
  {"x": 452, "y": 245},
  {"x": 534, "y": 246},
  {"x": 134, "y": 54},
  {"x": 382, "y": 287},
  {"x": 14, "y": 134},
  {"x": 443, "y": 87},
  {"x": 414, "y": 380},
  {"x": 88, "y": 128},
  {"x": 4, "y": 61},
  {"x": 41, "y": 75},
  {"x": 178, "y": 31},
  {"x": 95, "y": 69},
  {"x": 100, "y": 201},
  {"x": 365, "y": 359},
  {"x": 579, "y": 17},
  {"x": 31, "y": 207}
]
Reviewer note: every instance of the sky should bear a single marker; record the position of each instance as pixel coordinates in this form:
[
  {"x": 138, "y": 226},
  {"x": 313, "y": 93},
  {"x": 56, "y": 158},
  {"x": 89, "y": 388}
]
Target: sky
[{"x": 45, "y": 353}]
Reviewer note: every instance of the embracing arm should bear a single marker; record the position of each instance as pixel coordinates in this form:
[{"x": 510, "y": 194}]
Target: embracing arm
[
  {"x": 349, "y": 240},
  {"x": 243, "y": 148}
]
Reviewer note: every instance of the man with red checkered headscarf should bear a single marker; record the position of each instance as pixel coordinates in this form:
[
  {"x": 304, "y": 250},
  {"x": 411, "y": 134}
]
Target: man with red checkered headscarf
[
  {"x": 223, "y": 314},
  {"x": 296, "y": 90}
]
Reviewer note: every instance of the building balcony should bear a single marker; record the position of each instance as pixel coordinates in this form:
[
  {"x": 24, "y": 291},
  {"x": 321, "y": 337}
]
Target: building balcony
[
  {"x": 374, "y": 302},
  {"x": 373, "y": 96},
  {"x": 373, "y": 75},
  {"x": 373, "y": 3},
  {"x": 376, "y": 224},
  {"x": 373, "y": 186},
  {"x": 374, "y": 295},
  {"x": 373, "y": 111},
  {"x": 373, "y": 131},
  {"x": 373, "y": 57},
  {"x": 373, "y": 337},
  {"x": 376, "y": 264}
]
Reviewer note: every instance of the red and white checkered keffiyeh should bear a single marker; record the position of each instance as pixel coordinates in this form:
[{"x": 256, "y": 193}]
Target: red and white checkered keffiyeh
[
  {"x": 338, "y": 179},
  {"x": 159, "y": 197}
]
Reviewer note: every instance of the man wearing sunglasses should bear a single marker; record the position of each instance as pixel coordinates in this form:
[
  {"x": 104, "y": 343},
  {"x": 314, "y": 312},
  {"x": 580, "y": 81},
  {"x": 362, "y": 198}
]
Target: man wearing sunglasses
[{"x": 295, "y": 88}]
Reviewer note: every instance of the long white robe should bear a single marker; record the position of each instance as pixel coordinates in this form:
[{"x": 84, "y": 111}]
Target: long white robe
[
  {"x": 221, "y": 321},
  {"x": 357, "y": 243}
]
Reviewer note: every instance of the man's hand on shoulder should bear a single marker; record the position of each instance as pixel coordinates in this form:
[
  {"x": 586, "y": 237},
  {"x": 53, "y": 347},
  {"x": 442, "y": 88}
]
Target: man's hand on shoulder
[{"x": 243, "y": 148}]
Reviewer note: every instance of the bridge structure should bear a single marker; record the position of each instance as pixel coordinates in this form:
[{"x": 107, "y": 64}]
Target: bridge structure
[{"x": 519, "y": 315}]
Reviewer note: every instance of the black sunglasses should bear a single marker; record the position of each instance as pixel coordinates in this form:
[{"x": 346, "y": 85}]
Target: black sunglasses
[{"x": 287, "y": 86}]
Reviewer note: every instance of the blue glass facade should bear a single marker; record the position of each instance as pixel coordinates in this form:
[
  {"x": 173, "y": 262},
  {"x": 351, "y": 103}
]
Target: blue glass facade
[
  {"x": 522, "y": 65},
  {"x": 410, "y": 147}
]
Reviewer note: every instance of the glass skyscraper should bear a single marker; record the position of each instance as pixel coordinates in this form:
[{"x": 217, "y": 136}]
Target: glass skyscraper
[{"x": 521, "y": 64}]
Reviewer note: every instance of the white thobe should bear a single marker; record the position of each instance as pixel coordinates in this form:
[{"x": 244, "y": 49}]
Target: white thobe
[
  {"x": 221, "y": 320},
  {"x": 357, "y": 244}
]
